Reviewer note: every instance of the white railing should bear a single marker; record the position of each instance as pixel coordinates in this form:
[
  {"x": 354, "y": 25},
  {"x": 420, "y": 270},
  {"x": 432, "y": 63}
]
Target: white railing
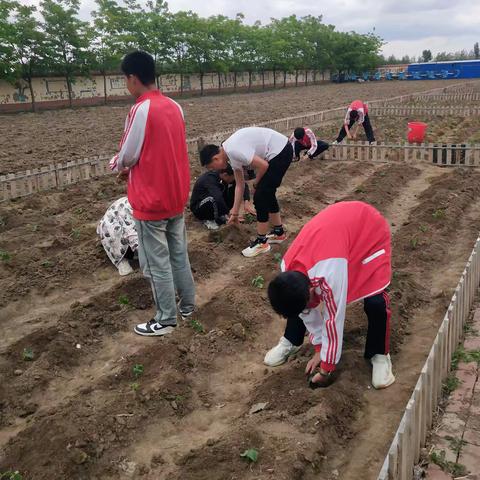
[{"x": 410, "y": 437}]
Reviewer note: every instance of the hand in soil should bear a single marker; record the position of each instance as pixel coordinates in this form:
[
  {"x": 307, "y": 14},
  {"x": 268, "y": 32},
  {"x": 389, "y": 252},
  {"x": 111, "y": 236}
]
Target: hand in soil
[
  {"x": 233, "y": 219},
  {"x": 313, "y": 364},
  {"x": 320, "y": 380},
  {"x": 249, "y": 208}
]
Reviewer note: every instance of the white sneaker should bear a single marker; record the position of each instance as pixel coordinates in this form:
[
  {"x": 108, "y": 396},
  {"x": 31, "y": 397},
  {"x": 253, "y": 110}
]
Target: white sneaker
[
  {"x": 256, "y": 248},
  {"x": 382, "y": 375},
  {"x": 334, "y": 143},
  {"x": 153, "y": 329},
  {"x": 124, "y": 268},
  {"x": 211, "y": 224},
  {"x": 280, "y": 353}
]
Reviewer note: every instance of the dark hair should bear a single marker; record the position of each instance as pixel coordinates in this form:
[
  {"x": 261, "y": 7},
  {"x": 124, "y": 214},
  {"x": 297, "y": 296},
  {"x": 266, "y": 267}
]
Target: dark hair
[
  {"x": 289, "y": 293},
  {"x": 140, "y": 64},
  {"x": 354, "y": 115},
  {"x": 299, "y": 133},
  {"x": 207, "y": 153}
]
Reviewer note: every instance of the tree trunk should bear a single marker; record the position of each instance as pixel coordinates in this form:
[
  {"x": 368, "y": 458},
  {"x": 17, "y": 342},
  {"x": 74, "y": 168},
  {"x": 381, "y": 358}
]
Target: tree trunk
[
  {"x": 157, "y": 80},
  {"x": 284, "y": 79},
  {"x": 181, "y": 84},
  {"x": 306, "y": 77},
  {"x": 69, "y": 88},
  {"x": 105, "y": 96},
  {"x": 296, "y": 78},
  {"x": 219, "y": 81},
  {"x": 32, "y": 94},
  {"x": 263, "y": 80},
  {"x": 314, "y": 76},
  {"x": 249, "y": 80},
  {"x": 274, "y": 78},
  {"x": 201, "y": 84},
  {"x": 235, "y": 81}
]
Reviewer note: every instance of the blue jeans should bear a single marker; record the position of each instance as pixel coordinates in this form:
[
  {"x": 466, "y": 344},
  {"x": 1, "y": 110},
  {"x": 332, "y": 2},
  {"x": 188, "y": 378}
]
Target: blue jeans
[{"x": 163, "y": 257}]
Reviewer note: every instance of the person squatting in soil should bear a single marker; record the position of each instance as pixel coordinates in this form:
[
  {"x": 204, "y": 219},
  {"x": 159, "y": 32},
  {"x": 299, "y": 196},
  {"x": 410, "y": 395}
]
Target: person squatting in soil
[
  {"x": 118, "y": 236},
  {"x": 341, "y": 256},
  {"x": 302, "y": 139},
  {"x": 213, "y": 197},
  {"x": 268, "y": 152},
  {"x": 153, "y": 159},
  {"x": 357, "y": 114}
]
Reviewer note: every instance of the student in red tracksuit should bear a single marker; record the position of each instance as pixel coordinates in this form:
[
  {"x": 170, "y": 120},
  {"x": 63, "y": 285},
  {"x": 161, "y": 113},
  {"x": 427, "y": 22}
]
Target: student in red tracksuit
[
  {"x": 341, "y": 256},
  {"x": 153, "y": 157},
  {"x": 357, "y": 114},
  {"x": 304, "y": 139}
]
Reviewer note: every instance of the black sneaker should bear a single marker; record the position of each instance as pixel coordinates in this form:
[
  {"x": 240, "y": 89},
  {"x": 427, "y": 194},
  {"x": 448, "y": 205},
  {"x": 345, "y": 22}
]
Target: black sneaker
[{"x": 153, "y": 329}]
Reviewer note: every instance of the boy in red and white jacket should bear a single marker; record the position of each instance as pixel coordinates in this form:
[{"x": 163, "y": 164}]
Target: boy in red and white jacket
[
  {"x": 304, "y": 139},
  {"x": 153, "y": 158},
  {"x": 341, "y": 256},
  {"x": 357, "y": 114}
]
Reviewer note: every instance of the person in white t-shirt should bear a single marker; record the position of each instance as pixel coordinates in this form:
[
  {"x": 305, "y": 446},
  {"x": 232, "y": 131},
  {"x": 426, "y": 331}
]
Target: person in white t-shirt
[{"x": 268, "y": 152}]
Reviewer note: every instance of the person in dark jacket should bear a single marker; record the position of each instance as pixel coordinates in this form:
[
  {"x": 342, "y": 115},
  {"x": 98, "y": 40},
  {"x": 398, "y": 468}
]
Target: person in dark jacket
[{"x": 213, "y": 195}]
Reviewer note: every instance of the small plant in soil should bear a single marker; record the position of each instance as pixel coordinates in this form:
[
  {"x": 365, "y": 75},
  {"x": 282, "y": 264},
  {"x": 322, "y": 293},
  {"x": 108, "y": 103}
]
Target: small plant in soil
[
  {"x": 277, "y": 257},
  {"x": 249, "y": 218},
  {"x": 5, "y": 256},
  {"x": 438, "y": 214},
  {"x": 123, "y": 300},
  {"x": 456, "y": 469},
  {"x": 11, "y": 475},
  {"x": 465, "y": 356},
  {"x": 34, "y": 227},
  {"x": 75, "y": 233},
  {"x": 135, "y": 386},
  {"x": 423, "y": 228},
  {"x": 251, "y": 454},
  {"x": 28, "y": 354},
  {"x": 258, "y": 281},
  {"x": 47, "y": 263},
  {"x": 455, "y": 444},
  {"x": 414, "y": 242},
  {"x": 359, "y": 190},
  {"x": 138, "y": 370},
  {"x": 197, "y": 326},
  {"x": 450, "y": 384}
]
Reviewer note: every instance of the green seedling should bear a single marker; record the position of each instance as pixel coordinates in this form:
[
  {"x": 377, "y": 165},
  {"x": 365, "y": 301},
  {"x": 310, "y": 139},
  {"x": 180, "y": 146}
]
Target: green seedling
[
  {"x": 75, "y": 233},
  {"x": 258, "y": 281},
  {"x": 454, "y": 468},
  {"x": 439, "y": 213},
  {"x": 465, "y": 356},
  {"x": 414, "y": 242},
  {"x": 47, "y": 264},
  {"x": 249, "y": 218},
  {"x": 179, "y": 399},
  {"x": 123, "y": 300},
  {"x": 5, "y": 256},
  {"x": 34, "y": 227},
  {"x": 135, "y": 386},
  {"x": 138, "y": 370},
  {"x": 359, "y": 190},
  {"x": 3, "y": 222},
  {"x": 277, "y": 257},
  {"x": 11, "y": 475},
  {"x": 450, "y": 384},
  {"x": 28, "y": 355},
  {"x": 197, "y": 326},
  {"x": 455, "y": 444},
  {"x": 423, "y": 228},
  {"x": 250, "y": 454},
  {"x": 79, "y": 210}
]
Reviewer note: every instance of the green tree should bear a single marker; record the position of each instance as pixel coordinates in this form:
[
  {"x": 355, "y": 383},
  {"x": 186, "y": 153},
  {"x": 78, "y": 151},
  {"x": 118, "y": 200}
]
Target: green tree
[
  {"x": 67, "y": 40},
  {"x": 427, "y": 55},
  {"x": 476, "y": 50}
]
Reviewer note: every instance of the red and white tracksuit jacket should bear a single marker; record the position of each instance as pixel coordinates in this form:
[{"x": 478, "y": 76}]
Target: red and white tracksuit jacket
[
  {"x": 360, "y": 107},
  {"x": 154, "y": 148},
  {"x": 346, "y": 253},
  {"x": 308, "y": 141}
]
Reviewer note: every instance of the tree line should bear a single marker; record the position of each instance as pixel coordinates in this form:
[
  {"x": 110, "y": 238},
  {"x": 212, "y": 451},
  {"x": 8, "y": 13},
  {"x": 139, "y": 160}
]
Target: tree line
[
  {"x": 53, "y": 40},
  {"x": 427, "y": 56}
]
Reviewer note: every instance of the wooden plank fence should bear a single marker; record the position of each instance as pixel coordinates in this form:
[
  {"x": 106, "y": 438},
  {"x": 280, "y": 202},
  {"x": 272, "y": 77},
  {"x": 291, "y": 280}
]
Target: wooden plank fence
[
  {"x": 425, "y": 110},
  {"x": 25, "y": 183},
  {"x": 442, "y": 97},
  {"x": 410, "y": 437}
]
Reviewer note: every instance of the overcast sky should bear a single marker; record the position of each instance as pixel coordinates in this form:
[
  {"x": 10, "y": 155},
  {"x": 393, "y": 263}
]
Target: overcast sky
[{"x": 408, "y": 26}]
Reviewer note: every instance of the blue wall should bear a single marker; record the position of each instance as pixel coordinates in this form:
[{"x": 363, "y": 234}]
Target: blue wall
[{"x": 463, "y": 69}]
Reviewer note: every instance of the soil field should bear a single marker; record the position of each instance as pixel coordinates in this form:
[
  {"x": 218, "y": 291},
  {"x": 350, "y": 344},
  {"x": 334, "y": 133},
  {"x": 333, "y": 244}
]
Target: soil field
[
  {"x": 33, "y": 140},
  {"x": 71, "y": 406}
]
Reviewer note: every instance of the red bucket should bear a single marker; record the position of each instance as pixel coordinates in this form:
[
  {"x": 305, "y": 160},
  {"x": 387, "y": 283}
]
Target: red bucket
[{"x": 416, "y": 132}]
